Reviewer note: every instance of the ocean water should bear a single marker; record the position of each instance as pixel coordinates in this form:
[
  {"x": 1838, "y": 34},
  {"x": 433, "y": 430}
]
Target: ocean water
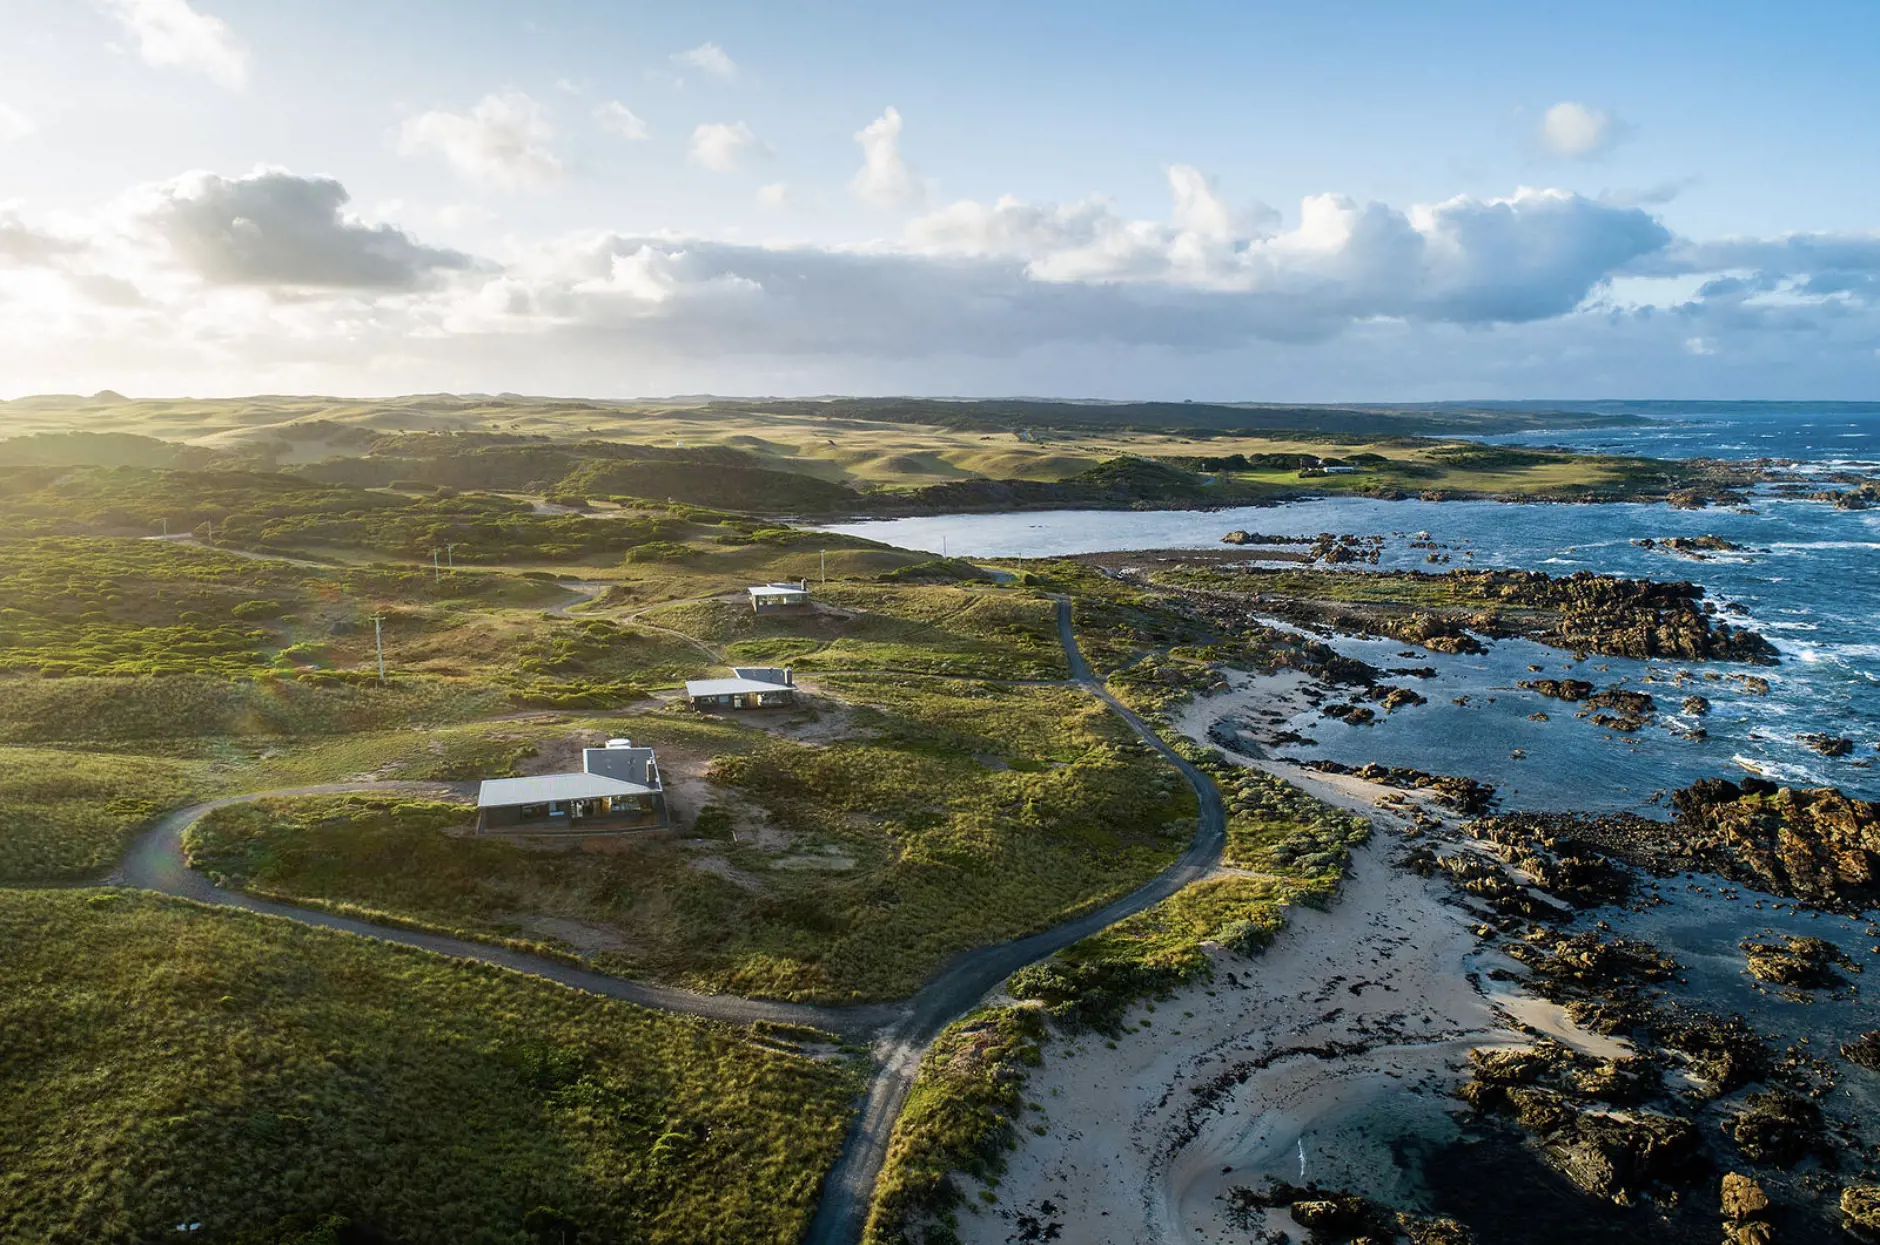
[{"x": 1808, "y": 578}]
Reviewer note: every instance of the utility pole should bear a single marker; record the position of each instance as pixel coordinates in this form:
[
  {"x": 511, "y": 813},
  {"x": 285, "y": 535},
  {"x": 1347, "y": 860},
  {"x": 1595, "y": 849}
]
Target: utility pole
[
  {"x": 210, "y": 524},
  {"x": 943, "y": 548},
  {"x": 825, "y": 566},
  {"x": 378, "y": 639},
  {"x": 166, "y": 526},
  {"x": 450, "y": 556},
  {"x": 437, "y": 575}
]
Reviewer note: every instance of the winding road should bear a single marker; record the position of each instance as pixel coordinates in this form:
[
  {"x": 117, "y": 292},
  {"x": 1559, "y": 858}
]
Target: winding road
[{"x": 899, "y": 1032}]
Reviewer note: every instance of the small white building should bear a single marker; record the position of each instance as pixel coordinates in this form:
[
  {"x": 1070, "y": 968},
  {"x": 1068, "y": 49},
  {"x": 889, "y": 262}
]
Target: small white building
[
  {"x": 749, "y": 687},
  {"x": 617, "y": 788},
  {"x": 778, "y": 596}
]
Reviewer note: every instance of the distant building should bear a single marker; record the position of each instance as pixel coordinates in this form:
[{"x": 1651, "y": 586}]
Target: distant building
[
  {"x": 768, "y": 597},
  {"x": 1341, "y": 471},
  {"x": 750, "y": 687},
  {"x": 617, "y": 788}
]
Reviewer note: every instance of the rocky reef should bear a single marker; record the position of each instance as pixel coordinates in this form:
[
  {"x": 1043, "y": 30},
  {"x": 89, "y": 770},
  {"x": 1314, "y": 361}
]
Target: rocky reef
[
  {"x": 1448, "y": 611},
  {"x": 1814, "y": 845},
  {"x": 1799, "y": 963}
]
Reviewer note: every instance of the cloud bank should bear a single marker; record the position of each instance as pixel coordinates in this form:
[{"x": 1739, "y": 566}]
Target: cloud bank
[{"x": 269, "y": 278}]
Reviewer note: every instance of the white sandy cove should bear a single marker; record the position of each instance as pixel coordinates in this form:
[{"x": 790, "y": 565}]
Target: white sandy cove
[{"x": 1350, "y": 1029}]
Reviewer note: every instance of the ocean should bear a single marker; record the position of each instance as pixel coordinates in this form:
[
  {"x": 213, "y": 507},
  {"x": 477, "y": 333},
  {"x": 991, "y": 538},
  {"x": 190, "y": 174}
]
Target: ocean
[{"x": 1808, "y": 577}]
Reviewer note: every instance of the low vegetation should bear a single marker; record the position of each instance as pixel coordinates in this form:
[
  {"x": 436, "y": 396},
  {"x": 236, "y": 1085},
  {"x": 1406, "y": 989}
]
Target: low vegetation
[
  {"x": 69, "y": 815},
  {"x": 949, "y": 814},
  {"x": 269, "y": 1082},
  {"x": 963, "y": 1110},
  {"x": 959, "y": 1117}
]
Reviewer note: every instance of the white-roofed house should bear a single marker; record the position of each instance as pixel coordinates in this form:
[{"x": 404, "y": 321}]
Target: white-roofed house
[
  {"x": 749, "y": 687},
  {"x": 778, "y": 596},
  {"x": 617, "y": 788}
]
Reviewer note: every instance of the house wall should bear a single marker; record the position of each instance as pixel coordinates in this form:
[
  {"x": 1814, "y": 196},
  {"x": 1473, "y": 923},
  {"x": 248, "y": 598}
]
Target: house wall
[
  {"x": 782, "y": 698},
  {"x": 618, "y": 812}
]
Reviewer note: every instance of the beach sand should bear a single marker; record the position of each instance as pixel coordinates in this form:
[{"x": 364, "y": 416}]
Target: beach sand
[{"x": 1349, "y": 1032}]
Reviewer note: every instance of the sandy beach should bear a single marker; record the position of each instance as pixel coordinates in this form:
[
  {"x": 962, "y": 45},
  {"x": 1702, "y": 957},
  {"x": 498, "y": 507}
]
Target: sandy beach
[{"x": 1348, "y": 1032}]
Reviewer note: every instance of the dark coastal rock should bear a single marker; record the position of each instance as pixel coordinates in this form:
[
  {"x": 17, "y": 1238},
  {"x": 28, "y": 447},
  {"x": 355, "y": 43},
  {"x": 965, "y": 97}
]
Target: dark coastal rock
[
  {"x": 1797, "y": 962},
  {"x": 1723, "y": 1051},
  {"x": 1561, "y": 963},
  {"x": 1335, "y": 1215},
  {"x": 1778, "y": 1128},
  {"x": 1350, "y": 715},
  {"x": 1473, "y": 875},
  {"x": 1634, "y": 704},
  {"x": 1863, "y": 1051},
  {"x": 1571, "y": 690},
  {"x": 1612, "y": 1156},
  {"x": 1697, "y": 547},
  {"x": 1816, "y": 845},
  {"x": 1544, "y": 847},
  {"x": 1827, "y": 745},
  {"x": 1860, "y": 1211},
  {"x": 1395, "y": 698},
  {"x": 1745, "y": 1211},
  {"x": 1696, "y": 706}
]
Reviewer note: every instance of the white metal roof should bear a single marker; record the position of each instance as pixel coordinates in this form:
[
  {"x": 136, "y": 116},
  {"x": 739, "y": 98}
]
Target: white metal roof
[
  {"x": 780, "y": 675},
  {"x": 777, "y": 590},
  {"x": 731, "y": 687},
  {"x": 509, "y": 792}
]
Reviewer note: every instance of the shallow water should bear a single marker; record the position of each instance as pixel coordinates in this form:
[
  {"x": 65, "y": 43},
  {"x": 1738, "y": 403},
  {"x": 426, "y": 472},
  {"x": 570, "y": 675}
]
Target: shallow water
[{"x": 1809, "y": 579}]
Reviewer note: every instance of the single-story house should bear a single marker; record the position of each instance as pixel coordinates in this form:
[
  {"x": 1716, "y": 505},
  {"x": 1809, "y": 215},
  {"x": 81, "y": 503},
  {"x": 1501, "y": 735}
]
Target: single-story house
[
  {"x": 749, "y": 687},
  {"x": 778, "y": 596},
  {"x": 617, "y": 788}
]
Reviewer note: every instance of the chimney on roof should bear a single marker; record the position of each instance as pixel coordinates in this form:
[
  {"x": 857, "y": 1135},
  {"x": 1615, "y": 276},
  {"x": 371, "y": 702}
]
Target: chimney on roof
[{"x": 789, "y": 680}]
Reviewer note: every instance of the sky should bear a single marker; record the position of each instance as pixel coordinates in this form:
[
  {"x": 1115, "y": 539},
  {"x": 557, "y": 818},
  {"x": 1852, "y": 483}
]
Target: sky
[{"x": 1205, "y": 199}]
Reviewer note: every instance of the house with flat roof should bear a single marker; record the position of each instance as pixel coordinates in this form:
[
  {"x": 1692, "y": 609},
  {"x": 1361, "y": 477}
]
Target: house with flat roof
[
  {"x": 778, "y": 596},
  {"x": 617, "y": 788},
  {"x": 749, "y": 687}
]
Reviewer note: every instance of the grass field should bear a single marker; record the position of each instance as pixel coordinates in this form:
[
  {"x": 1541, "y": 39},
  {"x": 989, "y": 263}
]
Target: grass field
[
  {"x": 794, "y": 457},
  {"x": 947, "y": 814},
  {"x": 172, "y": 1065}
]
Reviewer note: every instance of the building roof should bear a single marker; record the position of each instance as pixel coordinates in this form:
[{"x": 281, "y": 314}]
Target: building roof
[
  {"x": 509, "y": 792},
  {"x": 623, "y": 761},
  {"x": 731, "y": 687},
  {"x": 780, "y": 675},
  {"x": 777, "y": 590}
]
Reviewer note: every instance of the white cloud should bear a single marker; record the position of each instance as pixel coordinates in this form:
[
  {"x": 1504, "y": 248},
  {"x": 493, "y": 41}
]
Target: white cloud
[
  {"x": 266, "y": 281},
  {"x": 14, "y": 124},
  {"x": 502, "y": 141},
  {"x": 722, "y": 148},
  {"x": 884, "y": 179},
  {"x": 775, "y": 195},
  {"x": 26, "y": 245},
  {"x": 620, "y": 121},
  {"x": 707, "y": 58},
  {"x": 1576, "y": 132},
  {"x": 172, "y": 35},
  {"x": 272, "y": 228}
]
